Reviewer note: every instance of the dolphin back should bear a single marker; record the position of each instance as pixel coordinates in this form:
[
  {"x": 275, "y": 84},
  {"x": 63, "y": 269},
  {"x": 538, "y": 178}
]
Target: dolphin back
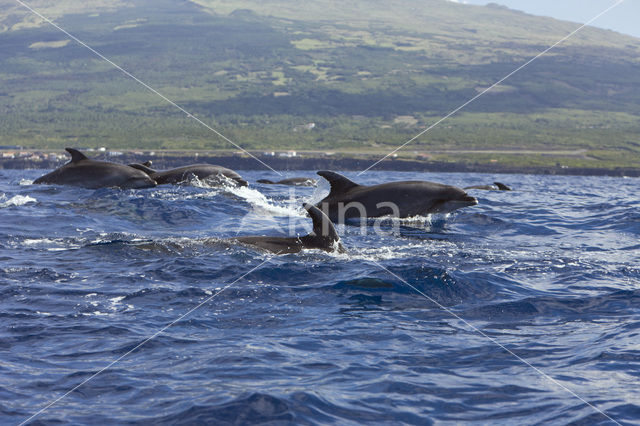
[
  {"x": 91, "y": 174},
  {"x": 323, "y": 237},
  {"x": 143, "y": 167}
]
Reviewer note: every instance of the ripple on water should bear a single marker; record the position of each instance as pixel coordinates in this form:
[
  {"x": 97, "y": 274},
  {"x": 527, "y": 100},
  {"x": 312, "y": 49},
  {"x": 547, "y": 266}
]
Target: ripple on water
[{"x": 548, "y": 270}]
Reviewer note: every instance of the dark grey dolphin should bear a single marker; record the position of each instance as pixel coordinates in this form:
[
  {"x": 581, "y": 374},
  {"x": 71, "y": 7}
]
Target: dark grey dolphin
[
  {"x": 81, "y": 171},
  {"x": 497, "y": 186},
  {"x": 323, "y": 237},
  {"x": 347, "y": 199},
  {"x": 208, "y": 172},
  {"x": 294, "y": 181}
]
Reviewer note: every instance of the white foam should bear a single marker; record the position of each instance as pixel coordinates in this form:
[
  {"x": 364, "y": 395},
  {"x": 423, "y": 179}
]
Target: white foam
[
  {"x": 264, "y": 213},
  {"x": 261, "y": 204},
  {"x": 16, "y": 200},
  {"x": 39, "y": 241},
  {"x": 116, "y": 302},
  {"x": 95, "y": 313},
  {"x": 381, "y": 253},
  {"x": 211, "y": 183},
  {"x": 50, "y": 244}
]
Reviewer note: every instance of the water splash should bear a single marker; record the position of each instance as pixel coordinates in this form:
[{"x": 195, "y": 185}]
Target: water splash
[
  {"x": 289, "y": 206},
  {"x": 16, "y": 201}
]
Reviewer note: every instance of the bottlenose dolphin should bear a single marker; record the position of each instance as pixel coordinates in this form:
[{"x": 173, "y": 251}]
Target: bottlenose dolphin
[
  {"x": 497, "y": 186},
  {"x": 323, "y": 237},
  {"x": 347, "y": 199},
  {"x": 208, "y": 172},
  {"x": 81, "y": 171},
  {"x": 294, "y": 181}
]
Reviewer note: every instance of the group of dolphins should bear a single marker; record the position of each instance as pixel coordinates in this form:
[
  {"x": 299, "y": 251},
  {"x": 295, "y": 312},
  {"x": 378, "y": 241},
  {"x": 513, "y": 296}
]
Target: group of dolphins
[{"x": 346, "y": 200}]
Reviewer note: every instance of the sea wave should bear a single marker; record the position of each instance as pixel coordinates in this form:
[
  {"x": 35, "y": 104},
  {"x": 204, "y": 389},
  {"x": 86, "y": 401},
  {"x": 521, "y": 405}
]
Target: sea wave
[{"x": 411, "y": 324}]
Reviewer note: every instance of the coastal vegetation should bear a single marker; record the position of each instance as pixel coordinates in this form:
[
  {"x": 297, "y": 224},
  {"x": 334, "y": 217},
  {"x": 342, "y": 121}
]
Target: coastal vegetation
[{"x": 361, "y": 77}]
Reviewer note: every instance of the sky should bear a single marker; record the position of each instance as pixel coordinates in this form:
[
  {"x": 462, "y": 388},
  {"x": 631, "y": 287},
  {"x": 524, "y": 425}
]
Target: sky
[{"x": 624, "y": 18}]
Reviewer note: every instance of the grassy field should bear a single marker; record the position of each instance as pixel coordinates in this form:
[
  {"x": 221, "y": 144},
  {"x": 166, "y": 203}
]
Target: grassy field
[{"x": 368, "y": 75}]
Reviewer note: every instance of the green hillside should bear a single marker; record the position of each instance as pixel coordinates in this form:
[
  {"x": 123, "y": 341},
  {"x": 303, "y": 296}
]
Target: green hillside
[{"x": 369, "y": 75}]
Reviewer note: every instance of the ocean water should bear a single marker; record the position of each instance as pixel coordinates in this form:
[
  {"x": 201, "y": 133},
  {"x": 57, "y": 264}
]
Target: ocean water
[{"x": 130, "y": 307}]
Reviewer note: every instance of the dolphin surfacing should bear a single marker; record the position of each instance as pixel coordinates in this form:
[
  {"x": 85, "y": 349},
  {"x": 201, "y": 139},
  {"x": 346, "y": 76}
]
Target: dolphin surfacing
[
  {"x": 92, "y": 174},
  {"x": 348, "y": 199},
  {"x": 323, "y": 237},
  {"x": 497, "y": 186},
  {"x": 208, "y": 172},
  {"x": 294, "y": 181}
]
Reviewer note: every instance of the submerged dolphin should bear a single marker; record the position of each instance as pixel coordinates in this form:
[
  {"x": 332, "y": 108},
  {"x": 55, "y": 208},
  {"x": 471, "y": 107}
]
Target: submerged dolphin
[
  {"x": 208, "y": 172},
  {"x": 81, "y": 171},
  {"x": 497, "y": 186},
  {"x": 347, "y": 199},
  {"x": 323, "y": 237},
  {"x": 294, "y": 181}
]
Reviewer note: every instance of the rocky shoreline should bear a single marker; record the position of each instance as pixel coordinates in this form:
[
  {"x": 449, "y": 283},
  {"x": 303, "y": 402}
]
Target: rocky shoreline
[{"x": 243, "y": 162}]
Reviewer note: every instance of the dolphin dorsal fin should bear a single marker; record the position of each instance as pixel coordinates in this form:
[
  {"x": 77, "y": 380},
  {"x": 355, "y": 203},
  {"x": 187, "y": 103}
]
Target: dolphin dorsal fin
[
  {"x": 339, "y": 183},
  {"x": 76, "y": 155},
  {"x": 322, "y": 225}
]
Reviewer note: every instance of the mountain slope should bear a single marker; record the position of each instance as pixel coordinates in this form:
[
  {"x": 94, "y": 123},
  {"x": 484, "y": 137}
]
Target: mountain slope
[{"x": 368, "y": 74}]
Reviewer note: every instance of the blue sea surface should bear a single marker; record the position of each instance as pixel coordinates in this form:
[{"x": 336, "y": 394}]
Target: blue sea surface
[{"x": 524, "y": 309}]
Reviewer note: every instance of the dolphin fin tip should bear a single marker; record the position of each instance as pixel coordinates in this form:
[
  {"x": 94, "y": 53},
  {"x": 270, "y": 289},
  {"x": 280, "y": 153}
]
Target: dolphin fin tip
[
  {"x": 339, "y": 183},
  {"x": 75, "y": 155}
]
